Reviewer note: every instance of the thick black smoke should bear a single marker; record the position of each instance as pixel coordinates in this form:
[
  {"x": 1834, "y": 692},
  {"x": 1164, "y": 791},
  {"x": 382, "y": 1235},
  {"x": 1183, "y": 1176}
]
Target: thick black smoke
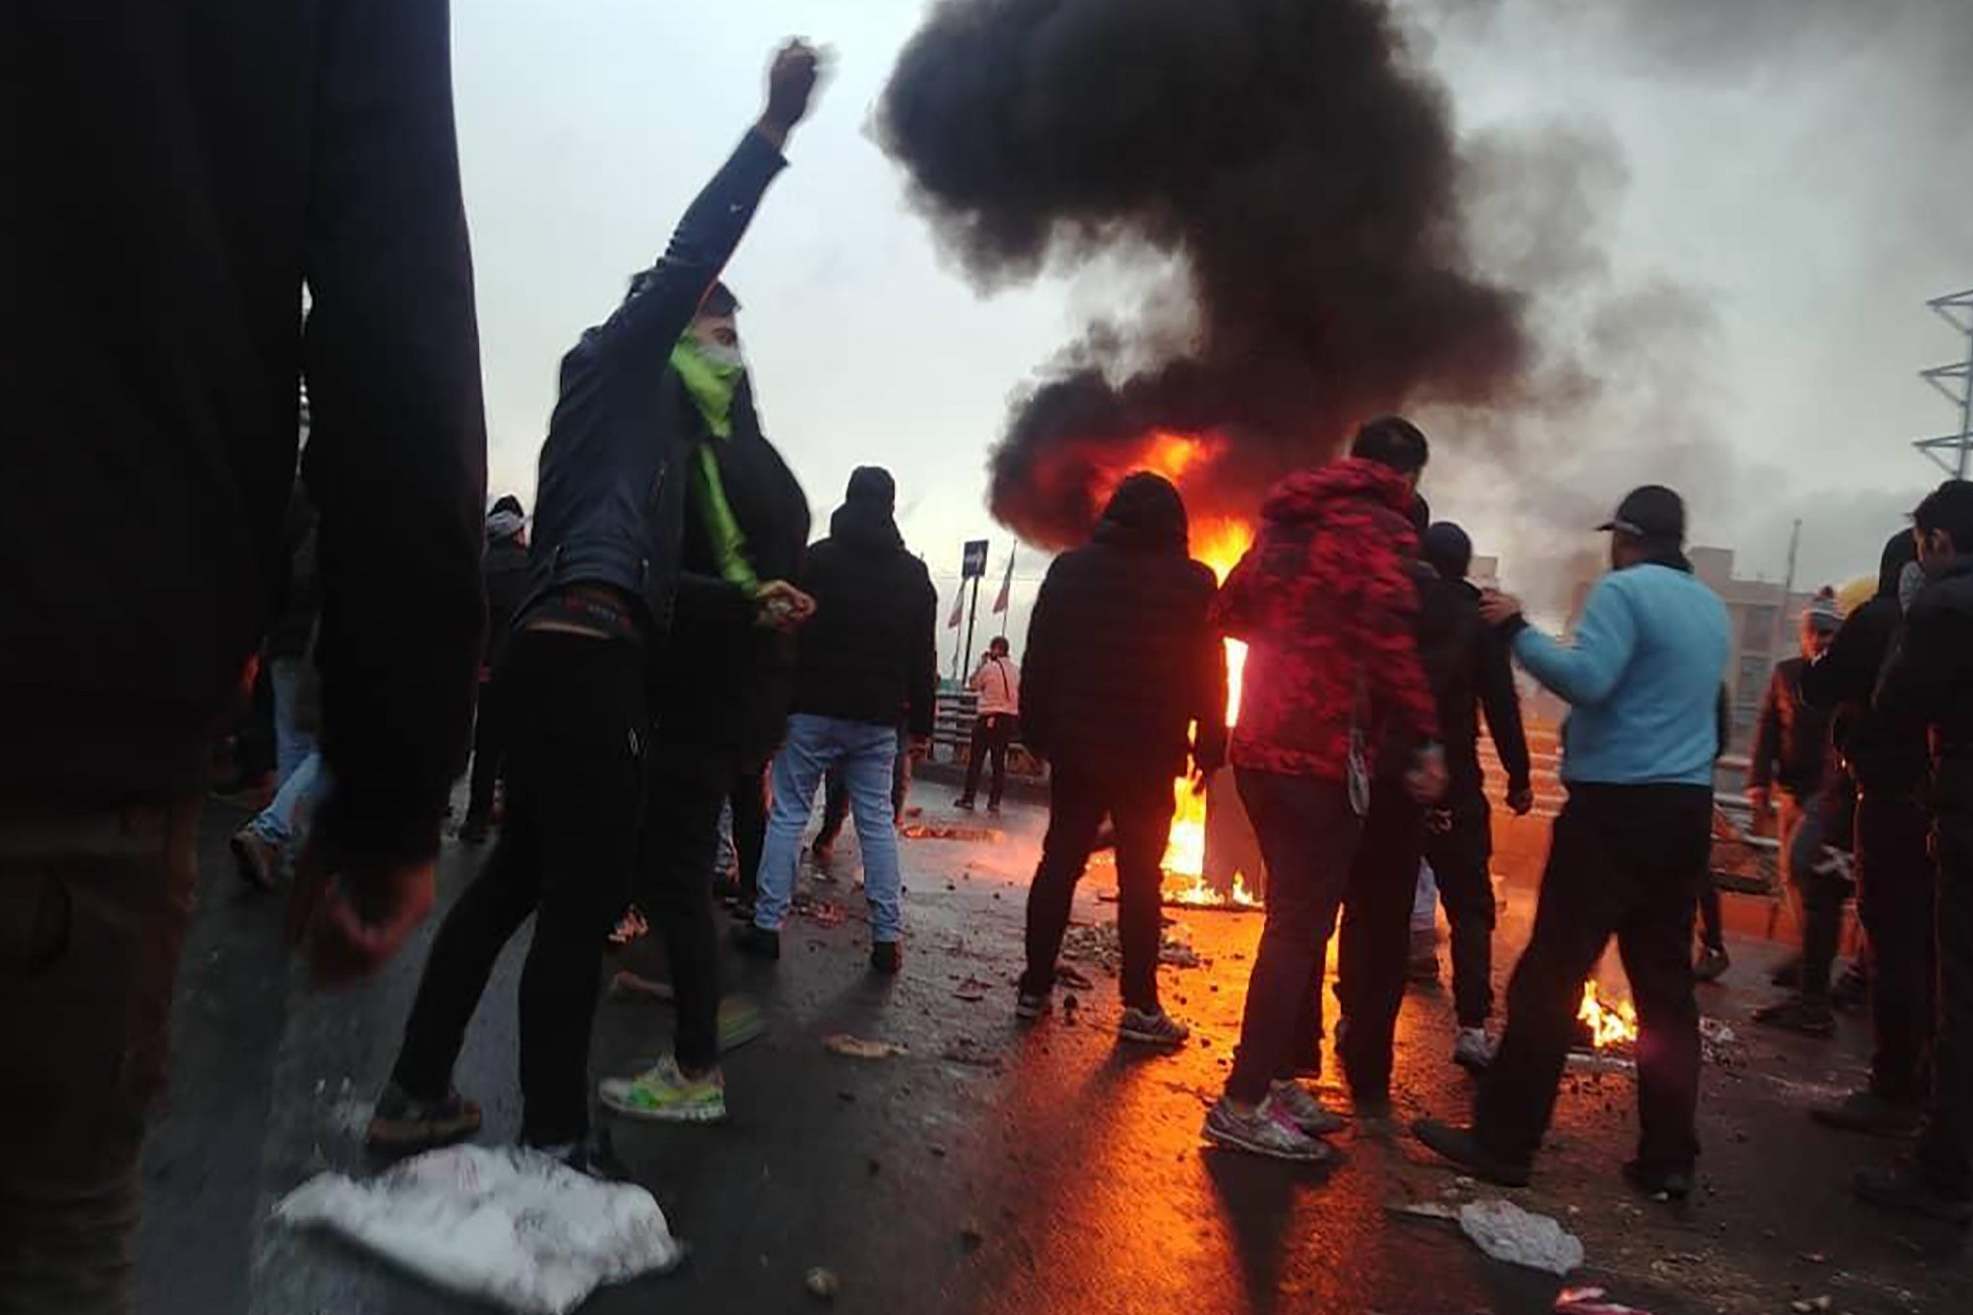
[{"x": 1285, "y": 150}]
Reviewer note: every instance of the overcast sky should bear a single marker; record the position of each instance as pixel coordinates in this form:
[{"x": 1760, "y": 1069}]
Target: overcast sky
[{"x": 1796, "y": 192}]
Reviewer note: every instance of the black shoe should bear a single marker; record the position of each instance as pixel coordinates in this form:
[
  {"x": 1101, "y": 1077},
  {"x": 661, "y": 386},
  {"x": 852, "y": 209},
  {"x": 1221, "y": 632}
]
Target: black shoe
[
  {"x": 1788, "y": 973},
  {"x": 886, "y": 957},
  {"x": 742, "y": 909},
  {"x": 963, "y": 803},
  {"x": 1869, "y": 1113},
  {"x": 402, "y": 1125},
  {"x": 1904, "y": 1189},
  {"x": 1711, "y": 965},
  {"x": 993, "y": 809},
  {"x": 1672, "y": 1184},
  {"x": 1798, "y": 1014},
  {"x": 757, "y": 941},
  {"x": 1462, "y": 1148}
]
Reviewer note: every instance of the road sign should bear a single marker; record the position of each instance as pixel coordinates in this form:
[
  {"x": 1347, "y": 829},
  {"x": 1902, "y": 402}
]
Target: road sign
[{"x": 974, "y": 562}]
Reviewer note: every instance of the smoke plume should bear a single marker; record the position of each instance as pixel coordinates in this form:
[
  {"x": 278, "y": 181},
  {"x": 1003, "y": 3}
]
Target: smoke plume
[{"x": 1285, "y": 156}]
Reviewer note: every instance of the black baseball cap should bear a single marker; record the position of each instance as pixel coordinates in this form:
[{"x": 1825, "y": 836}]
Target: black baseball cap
[{"x": 1650, "y": 512}]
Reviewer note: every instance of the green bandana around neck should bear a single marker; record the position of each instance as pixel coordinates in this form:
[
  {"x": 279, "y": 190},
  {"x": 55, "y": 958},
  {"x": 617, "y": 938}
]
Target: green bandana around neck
[{"x": 710, "y": 383}]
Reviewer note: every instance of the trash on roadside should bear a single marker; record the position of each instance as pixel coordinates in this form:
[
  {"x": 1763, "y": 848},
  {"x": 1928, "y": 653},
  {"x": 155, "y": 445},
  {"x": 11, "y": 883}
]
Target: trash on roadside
[
  {"x": 508, "y": 1226},
  {"x": 972, "y": 990},
  {"x": 1507, "y": 1232},
  {"x": 856, "y": 1047},
  {"x": 965, "y": 1050},
  {"x": 822, "y": 1283},
  {"x": 1591, "y": 1301}
]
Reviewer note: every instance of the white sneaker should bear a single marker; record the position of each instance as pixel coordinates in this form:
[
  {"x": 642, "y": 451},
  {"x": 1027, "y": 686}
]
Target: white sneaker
[{"x": 1473, "y": 1048}]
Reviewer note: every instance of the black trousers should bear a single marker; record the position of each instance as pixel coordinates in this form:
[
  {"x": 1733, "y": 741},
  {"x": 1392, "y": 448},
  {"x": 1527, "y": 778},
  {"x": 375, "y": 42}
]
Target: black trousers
[
  {"x": 574, "y": 791},
  {"x": 1139, "y": 806},
  {"x": 1712, "y": 922},
  {"x": 1626, "y": 860},
  {"x": 674, "y": 887},
  {"x": 1374, "y": 954},
  {"x": 1459, "y": 846},
  {"x": 748, "y": 800},
  {"x": 991, "y": 736},
  {"x": 489, "y": 746},
  {"x": 1945, "y": 1148},
  {"x": 1308, "y": 835},
  {"x": 1896, "y": 887},
  {"x": 1822, "y": 892}
]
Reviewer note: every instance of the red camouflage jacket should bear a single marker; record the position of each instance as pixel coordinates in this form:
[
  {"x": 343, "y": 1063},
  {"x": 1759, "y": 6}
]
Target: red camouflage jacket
[{"x": 1327, "y": 607}]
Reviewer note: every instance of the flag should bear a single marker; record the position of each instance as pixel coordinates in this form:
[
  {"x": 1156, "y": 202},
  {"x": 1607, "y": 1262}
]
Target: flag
[
  {"x": 1006, "y": 584},
  {"x": 958, "y": 600}
]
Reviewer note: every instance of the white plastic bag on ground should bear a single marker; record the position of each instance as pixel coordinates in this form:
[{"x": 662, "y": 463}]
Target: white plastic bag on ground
[
  {"x": 1507, "y": 1232},
  {"x": 509, "y": 1226}
]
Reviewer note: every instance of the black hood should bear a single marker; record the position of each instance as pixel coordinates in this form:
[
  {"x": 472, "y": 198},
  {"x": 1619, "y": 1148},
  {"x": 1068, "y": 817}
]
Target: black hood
[
  {"x": 1900, "y": 552},
  {"x": 1145, "y": 513},
  {"x": 866, "y": 527}
]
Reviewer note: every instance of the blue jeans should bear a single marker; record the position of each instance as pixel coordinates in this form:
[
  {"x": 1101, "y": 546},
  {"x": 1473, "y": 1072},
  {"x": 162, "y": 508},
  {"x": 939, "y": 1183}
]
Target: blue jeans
[
  {"x": 285, "y": 818},
  {"x": 292, "y": 744},
  {"x": 866, "y": 754}
]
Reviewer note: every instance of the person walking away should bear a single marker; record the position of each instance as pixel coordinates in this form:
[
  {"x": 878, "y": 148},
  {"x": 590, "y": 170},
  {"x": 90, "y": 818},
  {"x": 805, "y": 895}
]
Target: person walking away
[
  {"x": 1629, "y": 851},
  {"x": 1789, "y": 763},
  {"x": 601, "y": 594},
  {"x": 723, "y": 685},
  {"x": 151, "y": 358},
  {"x": 868, "y": 653},
  {"x": 1459, "y": 833},
  {"x": 1894, "y": 874},
  {"x": 1928, "y": 686},
  {"x": 260, "y": 846},
  {"x": 506, "y": 573},
  {"x": 1328, "y": 609},
  {"x": 1122, "y": 662},
  {"x": 997, "y": 681}
]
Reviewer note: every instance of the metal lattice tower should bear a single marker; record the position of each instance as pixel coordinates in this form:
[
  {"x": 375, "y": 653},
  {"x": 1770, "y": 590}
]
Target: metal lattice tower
[{"x": 1950, "y": 451}]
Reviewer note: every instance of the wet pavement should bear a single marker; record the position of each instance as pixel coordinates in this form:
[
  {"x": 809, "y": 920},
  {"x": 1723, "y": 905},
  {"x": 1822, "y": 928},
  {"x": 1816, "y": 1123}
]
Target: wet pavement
[{"x": 996, "y": 1168}]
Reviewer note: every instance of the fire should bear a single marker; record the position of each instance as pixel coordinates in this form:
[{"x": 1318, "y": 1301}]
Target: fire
[
  {"x": 1608, "y": 1026},
  {"x": 1219, "y": 543},
  {"x": 1199, "y": 893}
]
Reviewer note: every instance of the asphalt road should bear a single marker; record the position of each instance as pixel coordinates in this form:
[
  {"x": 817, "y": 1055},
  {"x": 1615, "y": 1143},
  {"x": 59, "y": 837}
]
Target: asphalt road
[{"x": 995, "y": 1169}]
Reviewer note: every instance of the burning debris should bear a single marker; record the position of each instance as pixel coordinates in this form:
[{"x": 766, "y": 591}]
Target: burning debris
[
  {"x": 1606, "y": 1026},
  {"x": 1282, "y": 170}
]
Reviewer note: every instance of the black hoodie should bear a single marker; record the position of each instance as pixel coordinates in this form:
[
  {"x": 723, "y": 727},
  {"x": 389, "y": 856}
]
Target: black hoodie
[
  {"x": 1120, "y": 657},
  {"x": 868, "y": 653},
  {"x": 1884, "y": 758}
]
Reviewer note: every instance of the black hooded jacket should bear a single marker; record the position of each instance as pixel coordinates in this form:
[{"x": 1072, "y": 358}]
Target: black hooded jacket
[
  {"x": 1885, "y": 758},
  {"x": 1927, "y": 688},
  {"x": 1467, "y": 664},
  {"x": 721, "y": 684},
  {"x": 506, "y": 573},
  {"x": 1121, "y": 658},
  {"x": 868, "y": 654}
]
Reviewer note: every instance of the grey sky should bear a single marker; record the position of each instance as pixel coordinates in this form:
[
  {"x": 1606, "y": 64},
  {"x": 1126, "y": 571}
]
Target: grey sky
[{"x": 1791, "y": 201}]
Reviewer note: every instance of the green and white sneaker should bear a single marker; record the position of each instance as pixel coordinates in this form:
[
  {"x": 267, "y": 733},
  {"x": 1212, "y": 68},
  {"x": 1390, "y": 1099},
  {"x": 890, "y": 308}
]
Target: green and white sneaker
[{"x": 662, "y": 1093}]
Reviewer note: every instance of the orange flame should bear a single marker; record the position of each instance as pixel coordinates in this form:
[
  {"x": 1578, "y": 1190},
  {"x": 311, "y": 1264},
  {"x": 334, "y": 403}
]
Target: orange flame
[{"x": 1608, "y": 1025}]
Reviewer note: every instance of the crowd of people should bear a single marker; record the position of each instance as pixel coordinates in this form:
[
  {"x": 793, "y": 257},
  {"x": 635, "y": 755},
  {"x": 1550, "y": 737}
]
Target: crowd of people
[{"x": 660, "y": 650}]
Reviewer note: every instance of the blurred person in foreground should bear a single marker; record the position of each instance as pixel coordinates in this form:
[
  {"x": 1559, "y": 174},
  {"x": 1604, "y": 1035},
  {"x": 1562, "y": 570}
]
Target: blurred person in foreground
[
  {"x": 1326, "y": 603},
  {"x": 1928, "y": 686},
  {"x": 866, "y": 661},
  {"x": 1121, "y": 663},
  {"x": 606, "y": 568},
  {"x": 151, "y": 363},
  {"x": 1630, "y": 849}
]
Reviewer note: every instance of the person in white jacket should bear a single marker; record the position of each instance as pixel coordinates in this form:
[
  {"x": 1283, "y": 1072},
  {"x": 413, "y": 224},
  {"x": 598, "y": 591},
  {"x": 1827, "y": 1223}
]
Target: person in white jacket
[{"x": 997, "y": 681}]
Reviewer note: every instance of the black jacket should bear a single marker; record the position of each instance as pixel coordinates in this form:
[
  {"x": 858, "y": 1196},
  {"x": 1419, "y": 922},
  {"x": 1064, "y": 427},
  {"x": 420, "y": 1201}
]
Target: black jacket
[
  {"x": 1121, "y": 658},
  {"x": 721, "y": 684},
  {"x": 1885, "y": 758},
  {"x": 174, "y": 173},
  {"x": 1791, "y": 740},
  {"x": 1928, "y": 682},
  {"x": 506, "y": 572},
  {"x": 1467, "y": 664},
  {"x": 610, "y": 496},
  {"x": 868, "y": 654}
]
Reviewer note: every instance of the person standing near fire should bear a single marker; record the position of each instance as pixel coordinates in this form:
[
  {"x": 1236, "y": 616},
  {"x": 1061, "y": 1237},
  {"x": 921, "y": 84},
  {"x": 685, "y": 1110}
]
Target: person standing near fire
[
  {"x": 1927, "y": 687},
  {"x": 1478, "y": 675},
  {"x": 1122, "y": 659},
  {"x": 1629, "y": 851},
  {"x": 606, "y": 568},
  {"x": 997, "y": 682},
  {"x": 1326, "y": 602}
]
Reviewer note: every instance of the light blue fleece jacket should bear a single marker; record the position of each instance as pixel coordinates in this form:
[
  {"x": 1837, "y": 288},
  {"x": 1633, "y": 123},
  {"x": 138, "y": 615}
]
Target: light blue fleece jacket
[{"x": 1642, "y": 677}]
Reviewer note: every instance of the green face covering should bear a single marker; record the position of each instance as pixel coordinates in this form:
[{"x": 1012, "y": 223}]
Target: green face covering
[{"x": 711, "y": 383}]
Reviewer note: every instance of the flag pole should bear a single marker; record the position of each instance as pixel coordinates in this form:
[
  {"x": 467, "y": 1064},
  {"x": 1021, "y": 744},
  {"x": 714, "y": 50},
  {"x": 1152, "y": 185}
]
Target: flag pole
[{"x": 1005, "y": 603}]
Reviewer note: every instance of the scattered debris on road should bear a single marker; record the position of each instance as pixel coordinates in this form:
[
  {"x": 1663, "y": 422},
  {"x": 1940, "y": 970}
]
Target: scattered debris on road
[
  {"x": 1591, "y": 1301},
  {"x": 1507, "y": 1232},
  {"x": 822, "y": 1283},
  {"x": 856, "y": 1047}
]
